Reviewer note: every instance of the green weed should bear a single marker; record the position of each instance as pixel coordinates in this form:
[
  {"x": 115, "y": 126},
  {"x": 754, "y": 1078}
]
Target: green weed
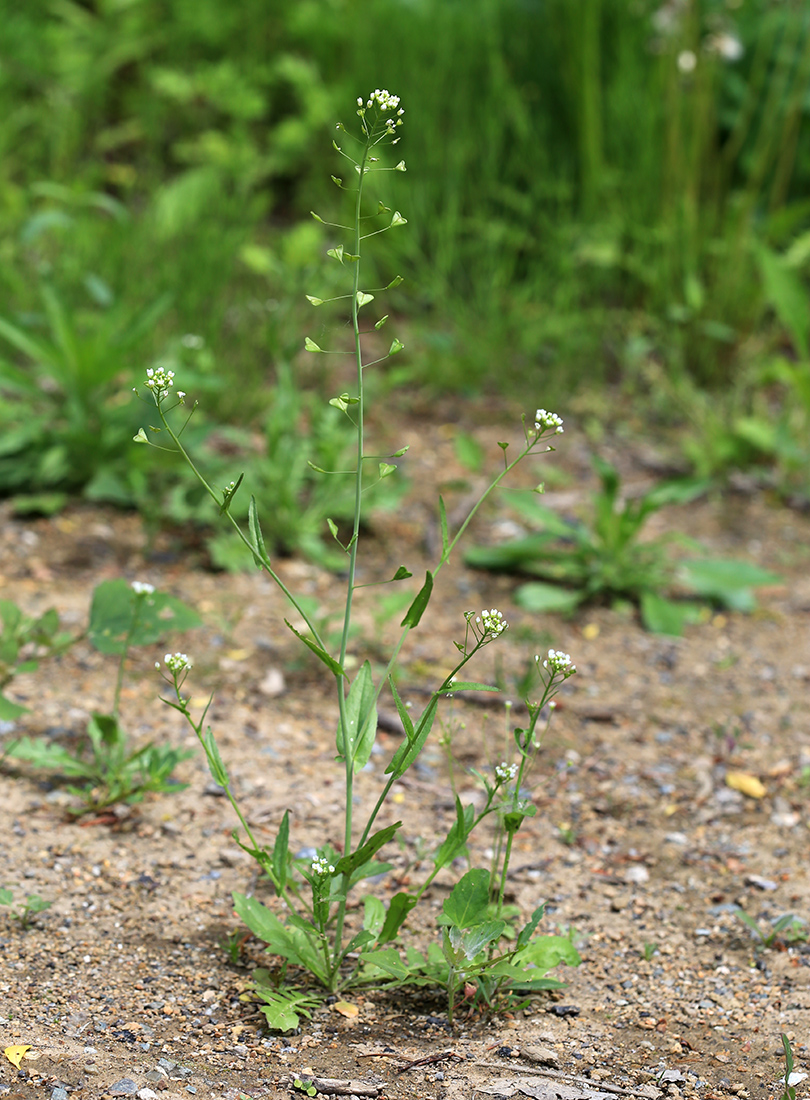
[
  {"x": 24, "y": 914},
  {"x": 605, "y": 559}
]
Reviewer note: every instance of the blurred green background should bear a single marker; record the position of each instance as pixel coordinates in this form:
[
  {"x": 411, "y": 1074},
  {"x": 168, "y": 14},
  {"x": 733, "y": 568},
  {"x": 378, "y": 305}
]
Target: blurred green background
[{"x": 608, "y": 205}]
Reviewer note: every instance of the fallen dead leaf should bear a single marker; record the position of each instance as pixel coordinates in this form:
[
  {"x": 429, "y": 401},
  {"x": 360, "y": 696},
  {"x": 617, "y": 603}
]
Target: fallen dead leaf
[
  {"x": 746, "y": 784},
  {"x": 16, "y": 1054}
]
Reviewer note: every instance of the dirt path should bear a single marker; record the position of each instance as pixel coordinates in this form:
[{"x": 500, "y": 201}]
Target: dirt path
[{"x": 639, "y": 844}]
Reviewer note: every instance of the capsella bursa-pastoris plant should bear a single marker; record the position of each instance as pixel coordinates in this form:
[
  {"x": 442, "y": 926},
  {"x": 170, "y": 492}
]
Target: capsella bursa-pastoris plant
[{"x": 313, "y": 928}]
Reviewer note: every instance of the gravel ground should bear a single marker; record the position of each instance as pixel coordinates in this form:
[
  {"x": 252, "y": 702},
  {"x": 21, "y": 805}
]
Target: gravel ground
[{"x": 640, "y": 844}]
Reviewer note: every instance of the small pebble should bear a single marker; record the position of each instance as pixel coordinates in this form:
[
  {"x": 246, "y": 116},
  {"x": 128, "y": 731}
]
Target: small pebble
[{"x": 125, "y": 1087}]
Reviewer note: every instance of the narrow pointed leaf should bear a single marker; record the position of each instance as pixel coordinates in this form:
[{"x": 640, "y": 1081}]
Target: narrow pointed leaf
[
  {"x": 421, "y": 600},
  {"x": 260, "y": 553},
  {"x": 280, "y": 850},
  {"x": 348, "y": 864},
  {"x": 354, "y": 743},
  {"x": 443, "y": 522},
  {"x": 330, "y": 662}
]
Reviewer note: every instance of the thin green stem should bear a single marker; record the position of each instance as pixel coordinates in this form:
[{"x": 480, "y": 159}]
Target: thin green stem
[
  {"x": 349, "y": 747},
  {"x": 119, "y": 680},
  {"x": 255, "y": 550}
]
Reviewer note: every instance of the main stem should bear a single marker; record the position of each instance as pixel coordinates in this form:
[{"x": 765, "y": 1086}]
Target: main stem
[{"x": 350, "y": 585}]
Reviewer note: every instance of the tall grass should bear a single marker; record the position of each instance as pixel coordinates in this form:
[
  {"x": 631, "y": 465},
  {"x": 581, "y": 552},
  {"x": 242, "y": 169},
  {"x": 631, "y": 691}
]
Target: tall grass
[{"x": 579, "y": 182}]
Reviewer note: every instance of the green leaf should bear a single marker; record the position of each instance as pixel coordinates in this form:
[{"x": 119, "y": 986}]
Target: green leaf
[
  {"x": 468, "y": 903},
  {"x": 395, "y": 282},
  {"x": 283, "y": 1007},
  {"x": 217, "y": 769},
  {"x": 336, "y": 253},
  {"x": 373, "y": 915},
  {"x": 537, "y": 596},
  {"x": 421, "y": 600},
  {"x": 10, "y": 711},
  {"x": 379, "y": 324},
  {"x": 727, "y": 581},
  {"x": 118, "y": 618},
  {"x": 229, "y": 494},
  {"x": 545, "y": 953},
  {"x": 401, "y": 574},
  {"x": 528, "y": 929},
  {"x": 363, "y": 299},
  {"x": 310, "y": 345},
  {"x": 314, "y": 301},
  {"x": 293, "y": 944},
  {"x": 443, "y": 523},
  {"x": 356, "y": 741},
  {"x": 141, "y": 437},
  {"x": 402, "y": 710},
  {"x": 255, "y": 528},
  {"x": 455, "y": 843},
  {"x": 396, "y": 346},
  {"x": 399, "y": 907},
  {"x": 280, "y": 852},
  {"x": 662, "y": 616},
  {"x": 409, "y": 750},
  {"x": 787, "y": 295},
  {"x": 386, "y": 469},
  {"x": 330, "y": 662},
  {"x": 108, "y": 730},
  {"x": 388, "y": 960},
  {"x": 347, "y": 865},
  {"x": 41, "y": 753},
  {"x": 6, "y": 896},
  {"x": 469, "y": 451},
  {"x": 473, "y": 941},
  {"x": 398, "y": 219}
]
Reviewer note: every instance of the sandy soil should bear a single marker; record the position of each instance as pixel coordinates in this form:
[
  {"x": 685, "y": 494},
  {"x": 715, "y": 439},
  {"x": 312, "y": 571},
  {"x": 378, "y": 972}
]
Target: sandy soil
[{"x": 639, "y": 843}]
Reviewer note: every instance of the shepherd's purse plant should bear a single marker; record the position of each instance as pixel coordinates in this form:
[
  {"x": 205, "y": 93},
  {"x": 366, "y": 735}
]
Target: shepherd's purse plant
[{"x": 315, "y": 927}]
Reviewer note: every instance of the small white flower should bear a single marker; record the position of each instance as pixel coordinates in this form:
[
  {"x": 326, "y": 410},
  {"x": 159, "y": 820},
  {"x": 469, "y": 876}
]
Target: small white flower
[
  {"x": 384, "y": 102},
  {"x": 559, "y": 662},
  {"x": 181, "y": 394},
  {"x": 729, "y": 47},
  {"x": 545, "y": 421},
  {"x": 687, "y": 61},
  {"x": 505, "y": 772},
  {"x": 322, "y": 866},
  {"x": 177, "y": 663},
  {"x": 142, "y": 588},
  {"x": 492, "y": 622},
  {"x": 159, "y": 381}
]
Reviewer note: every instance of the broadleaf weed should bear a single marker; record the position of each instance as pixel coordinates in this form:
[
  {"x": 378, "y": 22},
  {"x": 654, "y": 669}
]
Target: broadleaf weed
[{"x": 316, "y": 930}]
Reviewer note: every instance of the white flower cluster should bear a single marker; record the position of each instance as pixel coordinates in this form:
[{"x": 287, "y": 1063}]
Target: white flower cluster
[
  {"x": 385, "y": 103},
  {"x": 322, "y": 866},
  {"x": 505, "y": 772},
  {"x": 142, "y": 588},
  {"x": 176, "y": 663},
  {"x": 492, "y": 622},
  {"x": 543, "y": 421},
  {"x": 160, "y": 381},
  {"x": 557, "y": 662}
]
